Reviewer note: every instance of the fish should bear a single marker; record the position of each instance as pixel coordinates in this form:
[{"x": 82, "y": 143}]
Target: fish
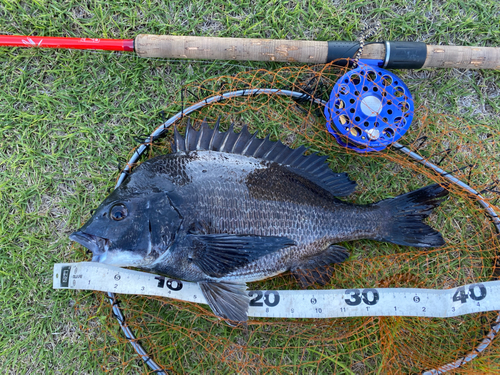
[{"x": 224, "y": 209}]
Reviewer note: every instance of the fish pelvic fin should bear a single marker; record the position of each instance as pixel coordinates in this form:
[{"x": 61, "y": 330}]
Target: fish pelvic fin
[
  {"x": 406, "y": 212},
  {"x": 316, "y": 268},
  {"x": 227, "y": 300}
]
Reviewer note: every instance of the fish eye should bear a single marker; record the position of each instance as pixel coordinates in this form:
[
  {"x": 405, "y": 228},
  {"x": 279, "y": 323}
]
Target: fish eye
[{"x": 118, "y": 212}]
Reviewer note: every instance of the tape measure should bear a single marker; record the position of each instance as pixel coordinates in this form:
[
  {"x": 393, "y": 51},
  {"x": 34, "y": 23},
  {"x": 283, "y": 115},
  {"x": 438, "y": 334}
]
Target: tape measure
[{"x": 338, "y": 303}]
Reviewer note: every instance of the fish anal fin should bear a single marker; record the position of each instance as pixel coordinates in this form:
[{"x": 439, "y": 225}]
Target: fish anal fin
[
  {"x": 227, "y": 300},
  {"x": 308, "y": 277},
  {"x": 316, "y": 268},
  {"x": 219, "y": 254}
]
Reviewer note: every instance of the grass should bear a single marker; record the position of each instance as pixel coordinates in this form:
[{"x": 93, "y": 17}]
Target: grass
[{"x": 67, "y": 119}]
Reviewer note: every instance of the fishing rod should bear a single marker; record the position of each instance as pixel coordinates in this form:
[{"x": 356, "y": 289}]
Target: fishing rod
[
  {"x": 341, "y": 116},
  {"x": 388, "y": 54}
]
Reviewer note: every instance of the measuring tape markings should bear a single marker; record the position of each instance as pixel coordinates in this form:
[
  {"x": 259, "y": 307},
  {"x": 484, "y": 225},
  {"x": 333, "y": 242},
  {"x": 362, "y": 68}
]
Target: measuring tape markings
[{"x": 337, "y": 303}]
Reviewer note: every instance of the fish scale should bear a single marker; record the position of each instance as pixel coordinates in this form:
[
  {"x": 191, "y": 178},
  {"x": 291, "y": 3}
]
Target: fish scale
[
  {"x": 276, "y": 217},
  {"x": 222, "y": 210}
]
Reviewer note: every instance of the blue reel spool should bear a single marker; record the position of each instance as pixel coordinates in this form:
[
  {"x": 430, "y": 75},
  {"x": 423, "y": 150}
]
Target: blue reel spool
[{"x": 369, "y": 108}]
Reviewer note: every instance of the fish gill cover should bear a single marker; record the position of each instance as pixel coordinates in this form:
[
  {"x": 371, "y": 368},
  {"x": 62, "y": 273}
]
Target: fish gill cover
[{"x": 184, "y": 337}]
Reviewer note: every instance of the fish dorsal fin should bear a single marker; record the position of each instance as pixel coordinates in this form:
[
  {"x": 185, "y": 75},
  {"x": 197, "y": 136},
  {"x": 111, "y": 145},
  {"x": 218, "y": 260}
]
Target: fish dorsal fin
[{"x": 312, "y": 167}]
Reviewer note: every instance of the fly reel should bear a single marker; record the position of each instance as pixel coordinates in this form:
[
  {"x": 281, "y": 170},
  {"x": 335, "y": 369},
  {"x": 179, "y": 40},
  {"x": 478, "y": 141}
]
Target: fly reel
[{"x": 369, "y": 108}]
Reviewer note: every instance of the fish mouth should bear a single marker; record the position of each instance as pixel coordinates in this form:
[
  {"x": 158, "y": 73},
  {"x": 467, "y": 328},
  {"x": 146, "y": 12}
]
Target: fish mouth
[
  {"x": 102, "y": 253},
  {"x": 98, "y": 245}
]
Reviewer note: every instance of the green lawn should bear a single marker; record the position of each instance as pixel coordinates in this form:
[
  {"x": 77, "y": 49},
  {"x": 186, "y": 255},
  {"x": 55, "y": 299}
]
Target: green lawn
[{"x": 67, "y": 119}]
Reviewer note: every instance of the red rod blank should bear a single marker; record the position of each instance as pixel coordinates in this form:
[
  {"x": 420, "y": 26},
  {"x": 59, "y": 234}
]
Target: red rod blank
[{"x": 69, "y": 43}]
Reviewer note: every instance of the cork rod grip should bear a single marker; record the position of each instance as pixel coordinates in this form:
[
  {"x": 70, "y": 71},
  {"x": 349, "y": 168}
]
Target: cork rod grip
[
  {"x": 209, "y": 48},
  {"x": 462, "y": 57}
]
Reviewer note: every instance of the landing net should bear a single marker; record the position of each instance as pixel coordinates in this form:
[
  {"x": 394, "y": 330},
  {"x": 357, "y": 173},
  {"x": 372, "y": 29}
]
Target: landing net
[{"x": 182, "y": 337}]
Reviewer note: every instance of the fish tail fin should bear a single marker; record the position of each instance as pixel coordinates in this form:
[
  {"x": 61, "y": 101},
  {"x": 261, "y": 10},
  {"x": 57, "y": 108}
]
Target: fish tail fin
[{"x": 406, "y": 212}]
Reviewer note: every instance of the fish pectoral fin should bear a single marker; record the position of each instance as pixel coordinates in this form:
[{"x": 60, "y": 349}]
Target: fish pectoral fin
[
  {"x": 227, "y": 300},
  {"x": 314, "y": 269},
  {"x": 218, "y": 254}
]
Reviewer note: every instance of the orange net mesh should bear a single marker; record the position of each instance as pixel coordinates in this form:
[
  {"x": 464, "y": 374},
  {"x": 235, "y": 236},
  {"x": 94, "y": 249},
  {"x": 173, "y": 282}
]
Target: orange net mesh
[{"x": 188, "y": 338}]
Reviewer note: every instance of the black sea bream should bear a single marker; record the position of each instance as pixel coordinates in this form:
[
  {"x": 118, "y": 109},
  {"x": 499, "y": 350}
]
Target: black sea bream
[{"x": 227, "y": 208}]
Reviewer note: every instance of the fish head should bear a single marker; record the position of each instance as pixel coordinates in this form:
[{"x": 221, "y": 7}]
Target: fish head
[{"x": 133, "y": 226}]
